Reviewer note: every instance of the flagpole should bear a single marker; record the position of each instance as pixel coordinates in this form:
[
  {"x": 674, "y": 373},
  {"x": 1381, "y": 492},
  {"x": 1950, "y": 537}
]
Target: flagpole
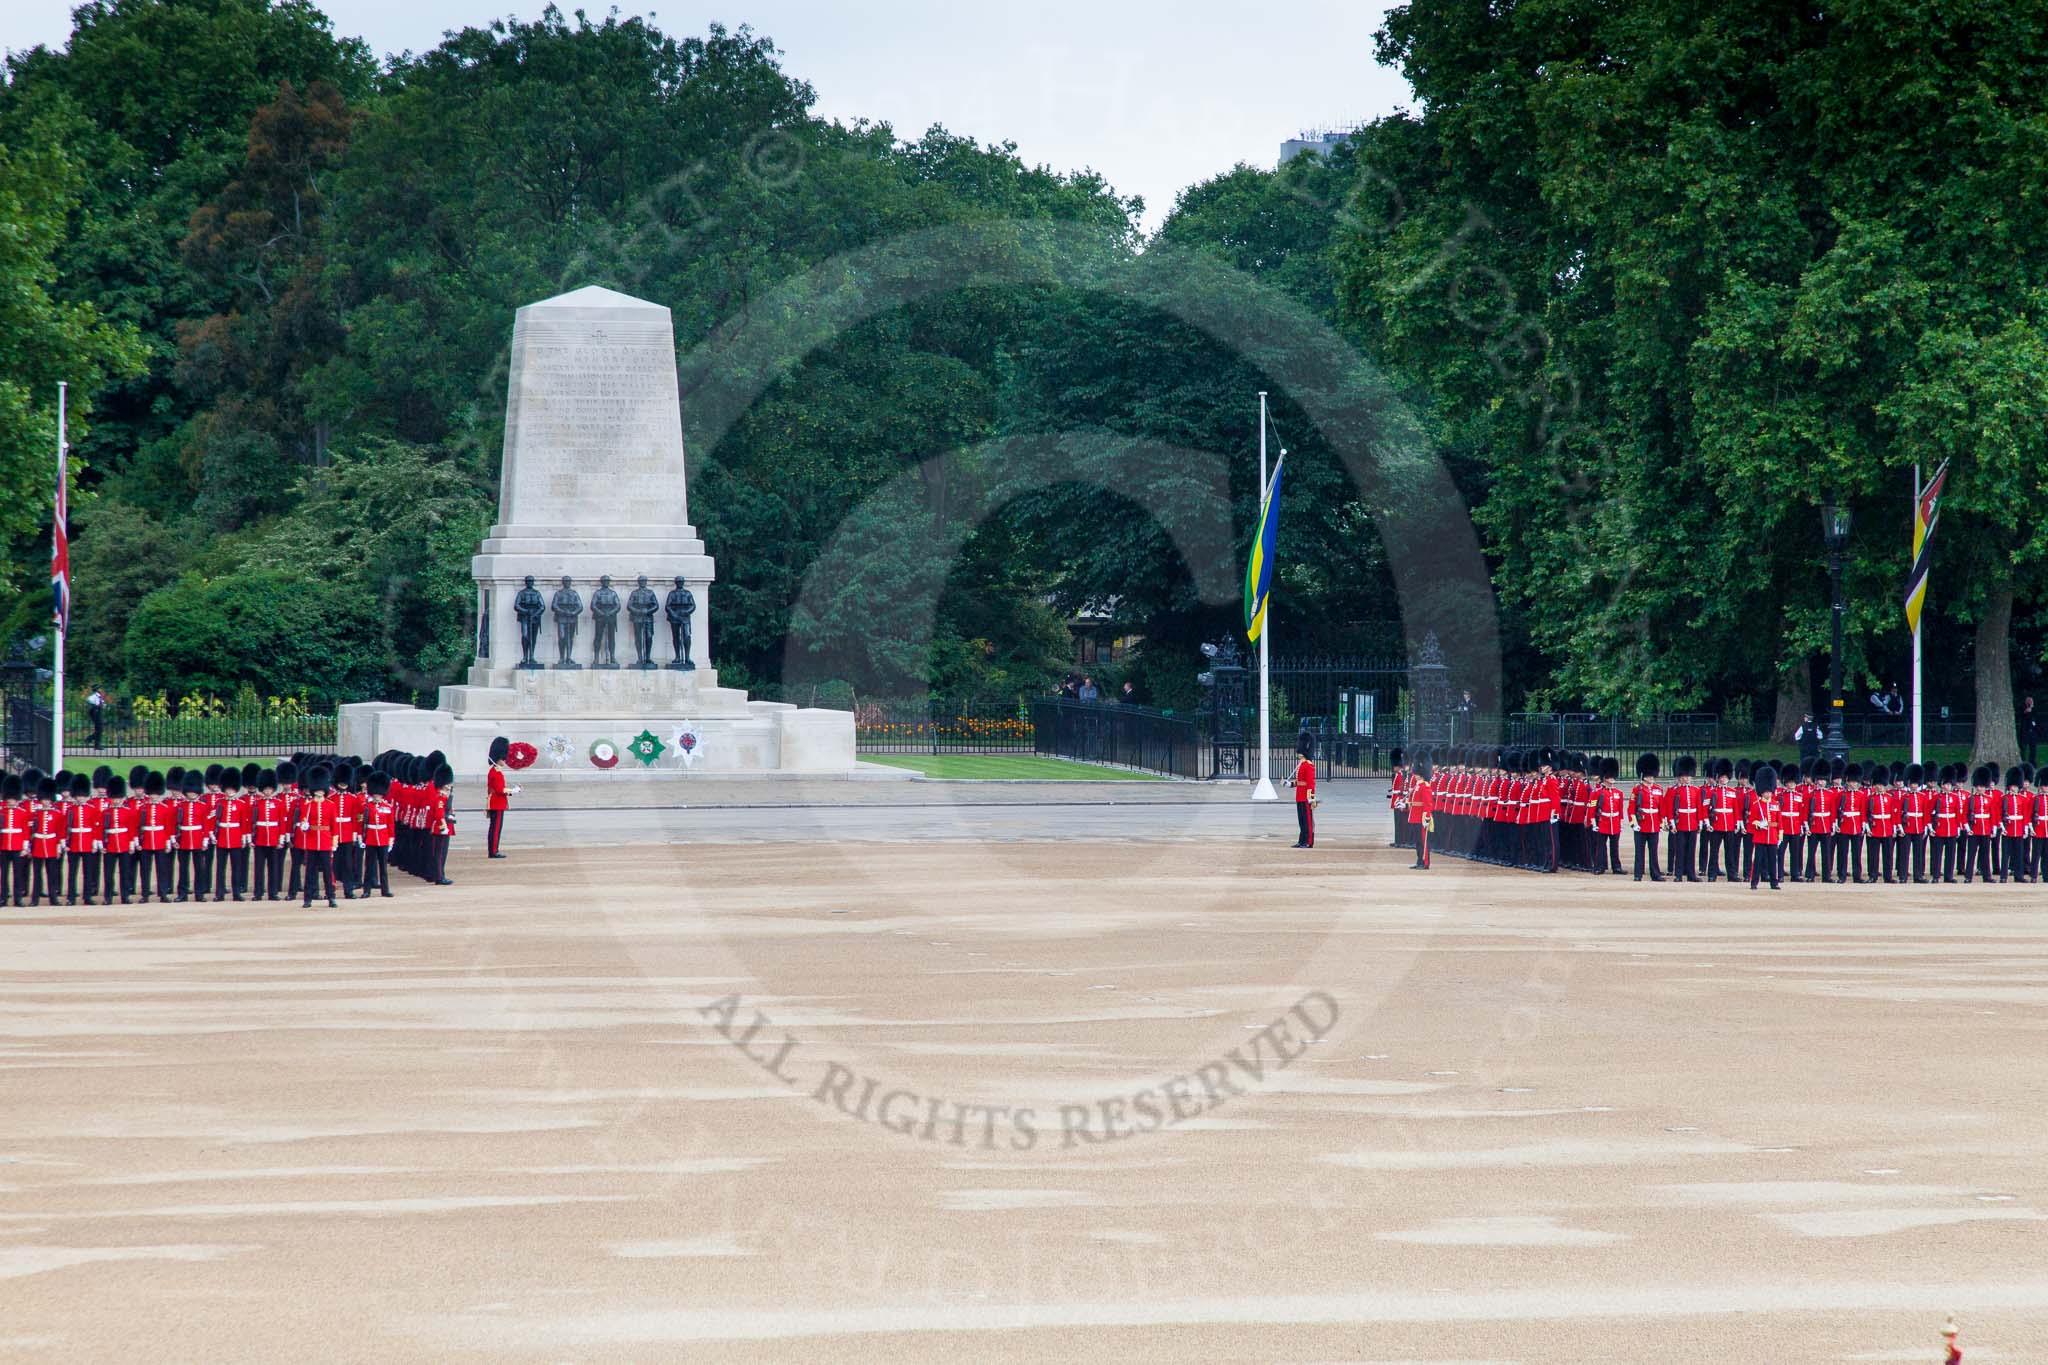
[
  {"x": 1264, "y": 790},
  {"x": 1916, "y": 631},
  {"x": 58, "y": 530}
]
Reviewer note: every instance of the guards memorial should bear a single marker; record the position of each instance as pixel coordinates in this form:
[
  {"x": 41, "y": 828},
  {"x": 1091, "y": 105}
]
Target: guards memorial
[{"x": 593, "y": 590}]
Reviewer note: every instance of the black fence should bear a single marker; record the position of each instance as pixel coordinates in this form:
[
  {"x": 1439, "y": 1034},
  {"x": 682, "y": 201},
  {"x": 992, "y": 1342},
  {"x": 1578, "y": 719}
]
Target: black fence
[
  {"x": 1111, "y": 732},
  {"x": 942, "y": 727},
  {"x": 199, "y": 736}
]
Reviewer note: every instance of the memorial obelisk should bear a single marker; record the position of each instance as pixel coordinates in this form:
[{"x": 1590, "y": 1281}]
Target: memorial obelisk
[{"x": 593, "y": 488}]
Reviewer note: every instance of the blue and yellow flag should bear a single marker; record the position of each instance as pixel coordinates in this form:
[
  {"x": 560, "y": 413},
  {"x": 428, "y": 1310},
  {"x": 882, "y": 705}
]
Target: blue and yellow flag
[{"x": 1258, "y": 574}]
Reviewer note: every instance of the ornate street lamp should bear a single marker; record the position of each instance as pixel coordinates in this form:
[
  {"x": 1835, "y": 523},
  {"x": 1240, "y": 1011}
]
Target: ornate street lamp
[{"x": 1834, "y": 529}]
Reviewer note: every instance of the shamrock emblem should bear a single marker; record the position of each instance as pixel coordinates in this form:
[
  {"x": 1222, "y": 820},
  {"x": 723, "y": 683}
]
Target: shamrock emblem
[{"x": 646, "y": 748}]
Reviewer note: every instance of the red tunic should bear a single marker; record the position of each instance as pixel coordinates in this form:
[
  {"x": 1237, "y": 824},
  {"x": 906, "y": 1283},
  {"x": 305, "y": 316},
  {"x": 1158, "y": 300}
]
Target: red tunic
[
  {"x": 1725, "y": 812},
  {"x": 15, "y": 819},
  {"x": 81, "y": 827},
  {"x": 1820, "y": 811},
  {"x": 159, "y": 825},
  {"x": 1919, "y": 814},
  {"x": 46, "y": 830},
  {"x": 123, "y": 826},
  {"x": 1763, "y": 817},
  {"x": 313, "y": 825},
  {"x": 267, "y": 816},
  {"x": 195, "y": 821},
  {"x": 380, "y": 820},
  {"x": 1887, "y": 806},
  {"x": 237, "y": 822},
  {"x": 1985, "y": 810},
  {"x": 1646, "y": 805},
  {"x": 1791, "y": 811},
  {"x": 1950, "y": 808},
  {"x": 1852, "y": 811},
  {"x": 1304, "y": 784},
  {"x": 494, "y": 782},
  {"x": 1421, "y": 801},
  {"x": 347, "y": 817},
  {"x": 1688, "y": 807},
  {"x": 2019, "y": 812},
  {"x": 1608, "y": 808}
]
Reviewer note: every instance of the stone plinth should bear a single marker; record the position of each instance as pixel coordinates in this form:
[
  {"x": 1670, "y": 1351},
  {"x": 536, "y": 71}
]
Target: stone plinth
[{"x": 593, "y": 483}]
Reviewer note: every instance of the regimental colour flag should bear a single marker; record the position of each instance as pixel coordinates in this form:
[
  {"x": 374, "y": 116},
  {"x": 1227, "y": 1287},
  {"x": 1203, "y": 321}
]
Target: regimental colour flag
[
  {"x": 1258, "y": 574},
  {"x": 60, "y": 552},
  {"x": 1926, "y": 511}
]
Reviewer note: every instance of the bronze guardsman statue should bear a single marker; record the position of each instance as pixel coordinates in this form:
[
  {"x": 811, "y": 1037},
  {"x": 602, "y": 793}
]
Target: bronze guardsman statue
[
  {"x": 680, "y": 607},
  {"x": 567, "y": 606},
  {"x": 530, "y": 608},
  {"x": 604, "y": 623},
  {"x": 641, "y": 605}
]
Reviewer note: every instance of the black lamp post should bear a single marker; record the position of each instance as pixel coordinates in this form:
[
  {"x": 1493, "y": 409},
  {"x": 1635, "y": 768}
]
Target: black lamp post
[{"x": 1834, "y": 527}]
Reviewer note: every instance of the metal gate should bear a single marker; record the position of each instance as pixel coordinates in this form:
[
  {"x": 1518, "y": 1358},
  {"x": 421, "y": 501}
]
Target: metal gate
[{"x": 25, "y": 734}]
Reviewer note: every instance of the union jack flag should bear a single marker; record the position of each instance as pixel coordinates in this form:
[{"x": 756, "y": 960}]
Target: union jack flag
[{"x": 60, "y": 550}]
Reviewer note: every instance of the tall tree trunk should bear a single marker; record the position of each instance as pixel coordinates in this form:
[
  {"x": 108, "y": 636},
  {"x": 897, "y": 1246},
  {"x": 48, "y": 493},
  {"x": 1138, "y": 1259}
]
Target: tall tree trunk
[
  {"x": 1795, "y": 699},
  {"x": 1997, "y": 739}
]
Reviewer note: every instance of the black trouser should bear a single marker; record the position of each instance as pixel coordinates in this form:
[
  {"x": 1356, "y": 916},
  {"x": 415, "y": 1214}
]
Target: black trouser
[
  {"x": 121, "y": 865},
  {"x": 376, "y": 868},
  {"x": 440, "y": 863},
  {"x": 1916, "y": 847},
  {"x": 1305, "y": 836},
  {"x": 2015, "y": 864},
  {"x": 185, "y": 869},
  {"x": 268, "y": 877},
  {"x": 1678, "y": 854},
  {"x": 1977, "y": 856},
  {"x": 1881, "y": 857},
  {"x": 1763, "y": 862},
  {"x": 95, "y": 727},
  {"x": 45, "y": 879},
  {"x": 1944, "y": 858},
  {"x": 235, "y": 862},
  {"x": 1649, "y": 842},
  {"x": 318, "y": 866},
  {"x": 79, "y": 867},
  {"x": 298, "y": 867},
  {"x": 10, "y": 864},
  {"x": 162, "y": 859},
  {"x": 496, "y": 820}
]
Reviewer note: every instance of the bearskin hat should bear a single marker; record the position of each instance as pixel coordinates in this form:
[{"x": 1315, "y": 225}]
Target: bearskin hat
[
  {"x": 10, "y": 788},
  {"x": 317, "y": 778},
  {"x": 174, "y": 777},
  {"x": 81, "y": 785},
  {"x": 101, "y": 774},
  {"x": 1852, "y": 772},
  {"x": 2012, "y": 777},
  {"x": 1764, "y": 776},
  {"x": 1898, "y": 770},
  {"x": 444, "y": 776},
  {"x": 266, "y": 779},
  {"x": 499, "y": 748},
  {"x": 117, "y": 790},
  {"x": 1742, "y": 768},
  {"x": 62, "y": 777},
  {"x": 1304, "y": 744},
  {"x": 46, "y": 790},
  {"x": 153, "y": 785},
  {"x": 1685, "y": 766},
  {"x": 1914, "y": 774},
  {"x": 230, "y": 779},
  {"x": 213, "y": 774},
  {"x": 1610, "y": 767},
  {"x": 250, "y": 772},
  {"x": 1395, "y": 758},
  {"x": 1984, "y": 776},
  {"x": 379, "y": 783},
  {"x": 138, "y": 775},
  {"x": 1423, "y": 767},
  {"x": 1647, "y": 765},
  {"x": 31, "y": 778},
  {"x": 195, "y": 782}
]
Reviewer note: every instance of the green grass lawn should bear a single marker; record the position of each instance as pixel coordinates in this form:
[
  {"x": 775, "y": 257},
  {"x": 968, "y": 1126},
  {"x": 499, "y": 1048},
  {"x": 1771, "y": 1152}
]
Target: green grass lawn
[
  {"x": 990, "y": 767},
  {"x": 86, "y": 762}
]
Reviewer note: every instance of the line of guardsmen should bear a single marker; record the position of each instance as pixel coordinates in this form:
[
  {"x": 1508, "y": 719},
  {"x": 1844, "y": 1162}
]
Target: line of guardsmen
[
  {"x": 1764, "y": 822},
  {"x": 225, "y": 832}
]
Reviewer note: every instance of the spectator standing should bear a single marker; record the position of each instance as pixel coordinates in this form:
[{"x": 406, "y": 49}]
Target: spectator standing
[
  {"x": 96, "y": 708},
  {"x": 1463, "y": 715},
  {"x": 1089, "y": 692},
  {"x": 2030, "y": 731},
  {"x": 1129, "y": 695},
  {"x": 1807, "y": 737}
]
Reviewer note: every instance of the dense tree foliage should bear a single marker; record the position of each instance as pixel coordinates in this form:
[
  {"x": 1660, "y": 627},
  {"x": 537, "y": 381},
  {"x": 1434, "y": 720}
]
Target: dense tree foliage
[{"x": 1637, "y": 285}]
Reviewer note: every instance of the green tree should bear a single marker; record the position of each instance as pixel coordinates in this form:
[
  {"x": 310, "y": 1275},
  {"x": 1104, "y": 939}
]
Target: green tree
[{"x": 280, "y": 633}]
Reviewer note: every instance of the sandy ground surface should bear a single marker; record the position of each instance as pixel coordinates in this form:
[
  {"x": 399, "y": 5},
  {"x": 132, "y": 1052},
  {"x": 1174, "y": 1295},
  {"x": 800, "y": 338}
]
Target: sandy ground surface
[{"x": 1029, "y": 1082}]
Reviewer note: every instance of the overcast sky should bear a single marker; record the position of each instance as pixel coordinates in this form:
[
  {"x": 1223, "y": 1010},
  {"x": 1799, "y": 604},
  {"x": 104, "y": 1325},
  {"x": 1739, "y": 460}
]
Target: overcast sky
[{"x": 1155, "y": 96}]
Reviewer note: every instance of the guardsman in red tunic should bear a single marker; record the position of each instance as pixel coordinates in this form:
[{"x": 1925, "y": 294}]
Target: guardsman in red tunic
[
  {"x": 1917, "y": 822},
  {"x": 268, "y": 834},
  {"x": 1647, "y": 809},
  {"x": 348, "y": 834},
  {"x": 1792, "y": 794},
  {"x": 1724, "y": 822},
  {"x": 235, "y": 825},
  {"x": 1985, "y": 812},
  {"x": 14, "y": 823},
  {"x": 288, "y": 788},
  {"x": 2037, "y": 841},
  {"x": 313, "y": 834},
  {"x": 1303, "y": 781},
  {"x": 498, "y": 789},
  {"x": 1397, "y": 796},
  {"x": 1763, "y": 825},
  {"x": 157, "y": 834},
  {"x": 1821, "y": 808},
  {"x": 1688, "y": 808},
  {"x": 1887, "y": 807},
  {"x": 122, "y": 827},
  {"x": 1610, "y": 809},
  {"x": 81, "y": 840},
  {"x": 1852, "y": 811},
  {"x": 100, "y": 866},
  {"x": 1422, "y": 810},
  {"x": 45, "y": 843},
  {"x": 2016, "y": 817},
  {"x": 194, "y": 832},
  {"x": 441, "y": 815},
  {"x": 1951, "y": 813},
  {"x": 380, "y": 824}
]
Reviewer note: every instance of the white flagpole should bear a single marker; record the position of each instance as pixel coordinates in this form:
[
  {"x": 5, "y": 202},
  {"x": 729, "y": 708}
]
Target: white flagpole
[
  {"x": 57, "y": 706},
  {"x": 1264, "y": 791},
  {"x": 1916, "y": 630}
]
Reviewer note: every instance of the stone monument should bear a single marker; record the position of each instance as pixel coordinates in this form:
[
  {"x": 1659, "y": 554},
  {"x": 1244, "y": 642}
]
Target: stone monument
[{"x": 593, "y": 487}]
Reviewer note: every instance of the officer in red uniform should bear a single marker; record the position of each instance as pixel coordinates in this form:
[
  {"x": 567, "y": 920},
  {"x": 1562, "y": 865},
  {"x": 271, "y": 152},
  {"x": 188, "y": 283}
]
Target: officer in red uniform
[
  {"x": 1821, "y": 808},
  {"x": 1792, "y": 796},
  {"x": 1303, "y": 781},
  {"x": 45, "y": 843},
  {"x": 194, "y": 840},
  {"x": 101, "y": 868},
  {"x": 1397, "y": 796},
  {"x": 288, "y": 788},
  {"x": 1763, "y": 825},
  {"x": 81, "y": 841},
  {"x": 2016, "y": 817},
  {"x": 1916, "y": 822},
  {"x": 1422, "y": 809},
  {"x": 1951, "y": 812},
  {"x": 1984, "y": 818},
  {"x": 497, "y": 789},
  {"x": 1887, "y": 809},
  {"x": 235, "y": 825},
  {"x": 268, "y": 835},
  {"x": 14, "y": 823},
  {"x": 1647, "y": 810},
  {"x": 1610, "y": 809},
  {"x": 1852, "y": 812},
  {"x": 121, "y": 825},
  {"x": 1688, "y": 809},
  {"x": 157, "y": 833},
  {"x": 441, "y": 821},
  {"x": 380, "y": 822},
  {"x": 1724, "y": 821},
  {"x": 313, "y": 834}
]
